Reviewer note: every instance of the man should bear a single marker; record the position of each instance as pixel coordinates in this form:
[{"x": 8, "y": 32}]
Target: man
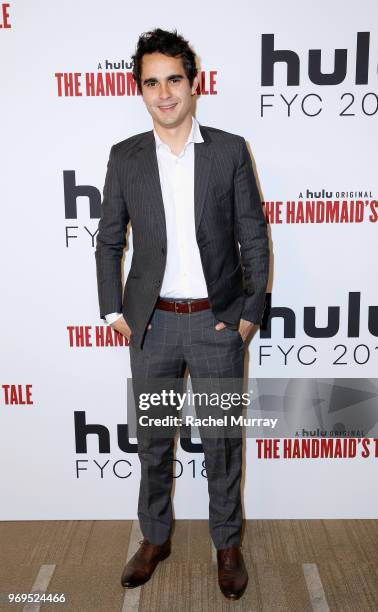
[{"x": 192, "y": 294}]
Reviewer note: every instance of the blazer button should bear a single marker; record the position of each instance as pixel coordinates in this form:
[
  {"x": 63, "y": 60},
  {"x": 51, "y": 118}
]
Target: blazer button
[{"x": 163, "y": 250}]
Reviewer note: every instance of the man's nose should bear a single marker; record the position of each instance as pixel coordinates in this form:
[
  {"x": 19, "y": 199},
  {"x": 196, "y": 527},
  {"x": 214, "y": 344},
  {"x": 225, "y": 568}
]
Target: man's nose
[{"x": 164, "y": 90}]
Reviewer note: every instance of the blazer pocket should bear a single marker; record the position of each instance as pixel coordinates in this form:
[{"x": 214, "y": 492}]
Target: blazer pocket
[{"x": 235, "y": 331}]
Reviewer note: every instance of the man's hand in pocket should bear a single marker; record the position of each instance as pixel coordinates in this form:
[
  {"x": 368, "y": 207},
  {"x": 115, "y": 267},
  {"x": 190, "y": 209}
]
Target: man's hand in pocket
[
  {"x": 121, "y": 326},
  {"x": 245, "y": 327}
]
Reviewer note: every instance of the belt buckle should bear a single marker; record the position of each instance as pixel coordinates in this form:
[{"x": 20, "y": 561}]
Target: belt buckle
[{"x": 183, "y": 302}]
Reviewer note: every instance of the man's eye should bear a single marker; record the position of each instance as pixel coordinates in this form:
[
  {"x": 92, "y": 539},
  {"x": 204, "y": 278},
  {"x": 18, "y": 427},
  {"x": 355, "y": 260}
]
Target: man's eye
[
  {"x": 151, "y": 84},
  {"x": 175, "y": 80}
]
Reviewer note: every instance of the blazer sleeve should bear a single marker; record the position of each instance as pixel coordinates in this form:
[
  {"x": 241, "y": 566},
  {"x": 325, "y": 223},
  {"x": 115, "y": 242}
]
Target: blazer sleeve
[
  {"x": 111, "y": 241},
  {"x": 252, "y": 235}
]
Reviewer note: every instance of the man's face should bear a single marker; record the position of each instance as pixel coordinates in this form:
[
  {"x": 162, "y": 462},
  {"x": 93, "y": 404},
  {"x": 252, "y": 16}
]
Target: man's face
[{"x": 166, "y": 90}]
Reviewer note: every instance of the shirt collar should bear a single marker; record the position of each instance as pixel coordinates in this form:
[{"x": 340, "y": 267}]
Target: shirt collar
[{"x": 194, "y": 136}]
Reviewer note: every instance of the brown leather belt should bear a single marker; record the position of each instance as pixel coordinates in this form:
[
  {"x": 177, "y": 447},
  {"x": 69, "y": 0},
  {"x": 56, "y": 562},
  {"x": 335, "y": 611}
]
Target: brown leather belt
[{"x": 183, "y": 306}]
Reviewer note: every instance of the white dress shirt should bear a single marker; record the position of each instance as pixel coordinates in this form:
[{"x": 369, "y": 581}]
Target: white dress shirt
[{"x": 183, "y": 276}]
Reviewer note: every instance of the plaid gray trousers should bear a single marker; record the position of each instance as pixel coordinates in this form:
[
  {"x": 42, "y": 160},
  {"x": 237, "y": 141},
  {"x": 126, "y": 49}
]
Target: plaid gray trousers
[{"x": 174, "y": 342}]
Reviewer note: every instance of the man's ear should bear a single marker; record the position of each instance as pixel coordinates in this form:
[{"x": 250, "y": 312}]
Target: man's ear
[{"x": 195, "y": 85}]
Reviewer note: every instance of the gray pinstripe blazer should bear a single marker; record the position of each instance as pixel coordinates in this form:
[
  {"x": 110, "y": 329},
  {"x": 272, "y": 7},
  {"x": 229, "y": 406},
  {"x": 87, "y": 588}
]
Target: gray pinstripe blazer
[{"x": 230, "y": 229}]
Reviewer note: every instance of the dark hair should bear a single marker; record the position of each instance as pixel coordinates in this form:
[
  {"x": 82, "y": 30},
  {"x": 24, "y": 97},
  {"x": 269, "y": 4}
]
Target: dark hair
[{"x": 168, "y": 43}]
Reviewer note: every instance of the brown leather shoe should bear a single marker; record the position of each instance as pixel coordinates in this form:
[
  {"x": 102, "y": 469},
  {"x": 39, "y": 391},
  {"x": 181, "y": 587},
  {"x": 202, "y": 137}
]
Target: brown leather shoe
[
  {"x": 232, "y": 573},
  {"x": 140, "y": 567}
]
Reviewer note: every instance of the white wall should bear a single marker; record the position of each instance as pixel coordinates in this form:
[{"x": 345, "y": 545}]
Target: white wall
[{"x": 48, "y": 286}]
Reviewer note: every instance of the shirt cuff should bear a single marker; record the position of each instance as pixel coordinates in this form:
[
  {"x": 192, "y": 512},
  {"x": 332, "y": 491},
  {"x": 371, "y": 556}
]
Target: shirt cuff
[{"x": 112, "y": 317}]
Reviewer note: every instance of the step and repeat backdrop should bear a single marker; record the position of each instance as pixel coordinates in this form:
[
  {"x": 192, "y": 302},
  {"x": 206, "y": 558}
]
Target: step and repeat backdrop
[{"x": 299, "y": 82}]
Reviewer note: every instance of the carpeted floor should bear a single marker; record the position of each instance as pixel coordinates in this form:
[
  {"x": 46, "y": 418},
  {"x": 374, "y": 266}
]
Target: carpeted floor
[{"x": 293, "y": 565}]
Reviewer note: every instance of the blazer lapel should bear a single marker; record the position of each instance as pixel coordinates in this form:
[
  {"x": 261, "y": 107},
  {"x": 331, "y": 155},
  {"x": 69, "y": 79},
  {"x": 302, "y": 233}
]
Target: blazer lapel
[
  {"x": 203, "y": 155},
  {"x": 150, "y": 173}
]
